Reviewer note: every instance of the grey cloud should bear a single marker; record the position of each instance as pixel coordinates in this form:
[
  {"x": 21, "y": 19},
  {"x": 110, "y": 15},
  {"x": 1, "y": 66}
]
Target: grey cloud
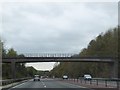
[{"x": 55, "y": 27}]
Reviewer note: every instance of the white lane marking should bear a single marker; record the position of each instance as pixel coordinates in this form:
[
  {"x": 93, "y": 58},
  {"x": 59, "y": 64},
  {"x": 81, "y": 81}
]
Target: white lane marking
[
  {"x": 74, "y": 85},
  {"x": 18, "y": 85},
  {"x": 77, "y": 85},
  {"x": 43, "y": 83},
  {"x": 45, "y": 86}
]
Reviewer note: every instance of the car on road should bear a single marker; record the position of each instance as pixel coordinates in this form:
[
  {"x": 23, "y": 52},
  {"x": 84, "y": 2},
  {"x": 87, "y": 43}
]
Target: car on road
[
  {"x": 36, "y": 78},
  {"x": 87, "y": 77},
  {"x": 65, "y": 77},
  {"x": 44, "y": 77}
]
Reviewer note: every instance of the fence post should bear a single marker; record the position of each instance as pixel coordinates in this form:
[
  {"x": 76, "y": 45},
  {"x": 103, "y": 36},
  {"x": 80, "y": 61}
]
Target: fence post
[
  {"x": 74, "y": 79},
  {"x": 90, "y": 81},
  {"x": 81, "y": 80},
  {"x": 118, "y": 83},
  {"x": 77, "y": 80},
  {"x": 105, "y": 83},
  {"x": 97, "y": 82},
  {"x": 85, "y": 81}
]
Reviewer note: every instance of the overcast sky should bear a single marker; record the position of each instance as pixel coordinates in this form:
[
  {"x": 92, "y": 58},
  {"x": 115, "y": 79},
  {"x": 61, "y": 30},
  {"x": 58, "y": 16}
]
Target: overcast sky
[{"x": 55, "y": 27}]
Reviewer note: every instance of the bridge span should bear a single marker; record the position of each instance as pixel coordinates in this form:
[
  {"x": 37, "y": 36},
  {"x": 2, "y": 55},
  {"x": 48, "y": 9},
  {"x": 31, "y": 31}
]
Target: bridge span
[
  {"x": 27, "y": 58},
  {"x": 56, "y": 58}
]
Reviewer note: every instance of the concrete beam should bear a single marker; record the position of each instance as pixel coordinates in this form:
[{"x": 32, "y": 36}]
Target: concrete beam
[{"x": 54, "y": 59}]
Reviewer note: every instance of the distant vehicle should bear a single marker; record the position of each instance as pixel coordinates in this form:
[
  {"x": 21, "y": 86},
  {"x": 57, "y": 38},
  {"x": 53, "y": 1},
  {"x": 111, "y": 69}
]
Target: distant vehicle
[
  {"x": 53, "y": 77},
  {"x": 87, "y": 77},
  {"x": 65, "y": 77},
  {"x": 43, "y": 77},
  {"x": 36, "y": 78}
]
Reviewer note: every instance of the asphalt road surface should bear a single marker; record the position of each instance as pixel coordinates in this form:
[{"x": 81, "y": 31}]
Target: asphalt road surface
[{"x": 47, "y": 83}]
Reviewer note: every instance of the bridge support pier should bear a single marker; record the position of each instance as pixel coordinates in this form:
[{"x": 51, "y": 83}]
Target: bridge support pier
[
  {"x": 114, "y": 69},
  {"x": 13, "y": 69}
]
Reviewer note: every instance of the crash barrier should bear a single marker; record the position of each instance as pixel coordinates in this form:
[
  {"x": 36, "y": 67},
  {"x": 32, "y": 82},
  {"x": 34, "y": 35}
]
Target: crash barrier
[
  {"x": 107, "y": 82},
  {"x": 9, "y": 81}
]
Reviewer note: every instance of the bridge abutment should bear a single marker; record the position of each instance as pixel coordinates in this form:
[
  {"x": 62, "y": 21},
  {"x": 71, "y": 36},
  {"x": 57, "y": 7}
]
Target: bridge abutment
[
  {"x": 114, "y": 69},
  {"x": 13, "y": 69}
]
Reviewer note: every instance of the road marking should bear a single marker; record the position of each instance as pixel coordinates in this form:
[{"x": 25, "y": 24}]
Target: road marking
[
  {"x": 45, "y": 86},
  {"x": 73, "y": 84},
  {"x": 17, "y": 86},
  {"x": 77, "y": 85},
  {"x": 42, "y": 82}
]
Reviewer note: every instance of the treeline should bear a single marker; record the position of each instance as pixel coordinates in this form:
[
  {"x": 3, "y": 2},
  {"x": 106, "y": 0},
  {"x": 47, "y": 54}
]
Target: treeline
[
  {"x": 20, "y": 68},
  {"x": 31, "y": 71},
  {"x": 104, "y": 45}
]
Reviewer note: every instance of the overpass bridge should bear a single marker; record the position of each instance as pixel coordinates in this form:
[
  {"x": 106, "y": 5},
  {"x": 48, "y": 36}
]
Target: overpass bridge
[{"x": 61, "y": 57}]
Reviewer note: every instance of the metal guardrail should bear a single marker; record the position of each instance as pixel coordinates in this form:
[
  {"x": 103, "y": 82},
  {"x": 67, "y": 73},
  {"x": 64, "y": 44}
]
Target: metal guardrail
[
  {"x": 115, "y": 82},
  {"x": 107, "y": 81},
  {"x": 10, "y": 81}
]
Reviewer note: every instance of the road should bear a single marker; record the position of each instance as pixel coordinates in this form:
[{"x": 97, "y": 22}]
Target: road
[{"x": 47, "y": 83}]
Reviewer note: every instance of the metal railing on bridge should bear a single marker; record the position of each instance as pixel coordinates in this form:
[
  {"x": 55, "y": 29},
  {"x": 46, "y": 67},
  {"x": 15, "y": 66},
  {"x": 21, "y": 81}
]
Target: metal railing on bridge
[{"x": 49, "y": 54}]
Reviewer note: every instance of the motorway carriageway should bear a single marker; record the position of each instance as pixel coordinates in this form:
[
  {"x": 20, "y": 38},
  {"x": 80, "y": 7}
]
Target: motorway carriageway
[{"x": 47, "y": 84}]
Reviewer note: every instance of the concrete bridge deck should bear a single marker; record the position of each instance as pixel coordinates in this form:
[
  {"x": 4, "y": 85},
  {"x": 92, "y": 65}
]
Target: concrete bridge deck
[{"x": 57, "y": 59}]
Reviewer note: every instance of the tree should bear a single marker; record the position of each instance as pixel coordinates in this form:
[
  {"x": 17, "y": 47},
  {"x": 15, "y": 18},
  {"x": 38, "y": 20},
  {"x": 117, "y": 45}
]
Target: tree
[
  {"x": 12, "y": 53},
  {"x": 104, "y": 45}
]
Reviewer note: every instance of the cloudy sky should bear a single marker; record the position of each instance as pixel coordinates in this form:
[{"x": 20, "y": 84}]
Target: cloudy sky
[{"x": 55, "y": 27}]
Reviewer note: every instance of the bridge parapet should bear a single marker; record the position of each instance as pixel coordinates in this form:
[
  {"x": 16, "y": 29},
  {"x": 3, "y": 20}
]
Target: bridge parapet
[{"x": 48, "y": 54}]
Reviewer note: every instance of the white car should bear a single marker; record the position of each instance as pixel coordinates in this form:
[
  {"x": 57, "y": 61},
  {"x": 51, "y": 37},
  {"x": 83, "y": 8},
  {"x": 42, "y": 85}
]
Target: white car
[
  {"x": 87, "y": 77},
  {"x": 65, "y": 77},
  {"x": 36, "y": 78}
]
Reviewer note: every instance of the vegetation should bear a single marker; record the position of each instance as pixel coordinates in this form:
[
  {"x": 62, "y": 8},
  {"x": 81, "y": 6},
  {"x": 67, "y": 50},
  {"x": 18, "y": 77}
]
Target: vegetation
[
  {"x": 104, "y": 45},
  {"x": 21, "y": 69},
  {"x": 31, "y": 72}
]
